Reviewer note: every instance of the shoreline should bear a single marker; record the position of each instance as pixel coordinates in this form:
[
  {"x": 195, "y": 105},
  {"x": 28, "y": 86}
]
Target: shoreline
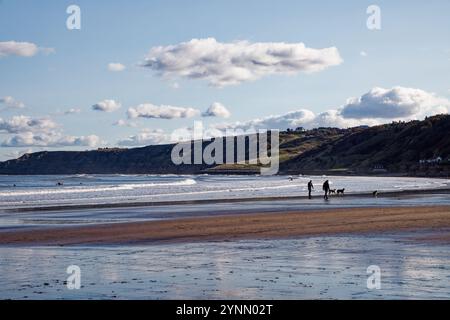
[
  {"x": 381, "y": 194},
  {"x": 269, "y": 225}
]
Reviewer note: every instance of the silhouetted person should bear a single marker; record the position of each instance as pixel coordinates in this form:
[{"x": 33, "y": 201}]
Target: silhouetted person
[
  {"x": 326, "y": 188},
  {"x": 310, "y": 187}
]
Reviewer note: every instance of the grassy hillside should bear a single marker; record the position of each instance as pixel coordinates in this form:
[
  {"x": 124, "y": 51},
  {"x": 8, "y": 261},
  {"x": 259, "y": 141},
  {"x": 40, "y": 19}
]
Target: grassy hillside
[{"x": 396, "y": 147}]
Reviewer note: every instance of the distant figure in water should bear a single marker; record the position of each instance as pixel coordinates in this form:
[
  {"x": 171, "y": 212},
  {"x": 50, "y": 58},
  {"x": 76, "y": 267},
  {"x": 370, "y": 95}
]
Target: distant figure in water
[
  {"x": 290, "y": 178},
  {"x": 14, "y": 185},
  {"x": 60, "y": 183},
  {"x": 326, "y": 188},
  {"x": 310, "y": 188},
  {"x": 375, "y": 193}
]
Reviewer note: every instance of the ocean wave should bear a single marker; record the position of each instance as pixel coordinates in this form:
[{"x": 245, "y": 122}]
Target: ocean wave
[{"x": 120, "y": 187}]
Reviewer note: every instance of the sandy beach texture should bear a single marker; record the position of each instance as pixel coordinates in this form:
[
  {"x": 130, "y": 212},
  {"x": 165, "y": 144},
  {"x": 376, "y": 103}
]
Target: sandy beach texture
[{"x": 274, "y": 225}]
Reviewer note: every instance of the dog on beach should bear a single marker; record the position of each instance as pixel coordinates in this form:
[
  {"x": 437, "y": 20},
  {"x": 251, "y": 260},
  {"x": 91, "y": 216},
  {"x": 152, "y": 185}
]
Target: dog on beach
[
  {"x": 340, "y": 191},
  {"x": 332, "y": 191}
]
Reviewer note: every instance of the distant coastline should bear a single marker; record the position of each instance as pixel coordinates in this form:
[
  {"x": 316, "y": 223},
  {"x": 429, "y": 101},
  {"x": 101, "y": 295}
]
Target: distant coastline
[{"x": 414, "y": 149}]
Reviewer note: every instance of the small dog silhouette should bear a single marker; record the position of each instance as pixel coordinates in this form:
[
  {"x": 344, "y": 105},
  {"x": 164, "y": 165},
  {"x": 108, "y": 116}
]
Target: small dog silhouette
[
  {"x": 340, "y": 191},
  {"x": 332, "y": 191}
]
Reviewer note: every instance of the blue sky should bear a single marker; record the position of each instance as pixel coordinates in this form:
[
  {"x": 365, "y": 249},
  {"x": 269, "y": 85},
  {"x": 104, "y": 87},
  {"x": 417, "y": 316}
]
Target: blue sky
[{"x": 412, "y": 50}]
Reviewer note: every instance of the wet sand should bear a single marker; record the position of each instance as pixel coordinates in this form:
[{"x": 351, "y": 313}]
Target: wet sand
[
  {"x": 307, "y": 268},
  {"x": 134, "y": 204},
  {"x": 270, "y": 225}
]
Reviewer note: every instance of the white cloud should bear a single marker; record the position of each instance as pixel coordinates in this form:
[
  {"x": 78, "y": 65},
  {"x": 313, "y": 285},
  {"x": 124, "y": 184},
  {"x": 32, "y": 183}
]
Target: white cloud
[
  {"x": 393, "y": 104},
  {"x": 149, "y": 110},
  {"x": 24, "y": 131},
  {"x": 398, "y": 102},
  {"x": 10, "y": 102},
  {"x": 19, "y": 124},
  {"x": 106, "y": 106},
  {"x": 291, "y": 119},
  {"x": 146, "y": 137},
  {"x": 217, "y": 110},
  {"x": 31, "y": 139},
  {"x": 21, "y": 49},
  {"x": 223, "y": 64},
  {"x": 125, "y": 123},
  {"x": 375, "y": 107},
  {"x": 116, "y": 67}
]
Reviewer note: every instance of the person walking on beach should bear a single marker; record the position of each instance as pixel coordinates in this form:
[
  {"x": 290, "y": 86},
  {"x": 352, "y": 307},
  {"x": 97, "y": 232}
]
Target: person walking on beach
[
  {"x": 310, "y": 187},
  {"x": 326, "y": 188}
]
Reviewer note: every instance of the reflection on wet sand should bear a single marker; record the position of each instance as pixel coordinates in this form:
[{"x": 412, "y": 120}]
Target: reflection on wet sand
[{"x": 317, "y": 267}]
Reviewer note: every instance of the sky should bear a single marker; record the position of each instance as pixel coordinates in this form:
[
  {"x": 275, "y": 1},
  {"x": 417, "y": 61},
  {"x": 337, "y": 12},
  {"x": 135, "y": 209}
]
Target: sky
[{"x": 136, "y": 72}]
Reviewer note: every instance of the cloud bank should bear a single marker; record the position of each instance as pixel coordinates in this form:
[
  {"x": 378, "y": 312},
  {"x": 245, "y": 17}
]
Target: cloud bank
[
  {"x": 146, "y": 137},
  {"x": 24, "y": 131},
  {"x": 375, "y": 107},
  {"x": 223, "y": 64},
  {"x": 30, "y": 139}
]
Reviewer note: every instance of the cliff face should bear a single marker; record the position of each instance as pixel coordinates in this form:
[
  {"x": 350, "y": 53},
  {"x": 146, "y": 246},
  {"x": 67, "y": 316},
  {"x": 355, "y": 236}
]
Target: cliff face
[{"x": 395, "y": 147}]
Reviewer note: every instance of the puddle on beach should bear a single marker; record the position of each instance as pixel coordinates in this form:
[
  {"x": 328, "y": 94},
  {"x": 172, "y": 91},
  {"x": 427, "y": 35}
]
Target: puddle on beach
[{"x": 310, "y": 268}]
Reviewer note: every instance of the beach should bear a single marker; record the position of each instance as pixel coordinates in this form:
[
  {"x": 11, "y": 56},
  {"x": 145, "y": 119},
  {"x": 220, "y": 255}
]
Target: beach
[
  {"x": 223, "y": 237},
  {"x": 269, "y": 225}
]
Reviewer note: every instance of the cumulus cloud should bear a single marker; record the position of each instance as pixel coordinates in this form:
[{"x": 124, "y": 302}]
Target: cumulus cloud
[
  {"x": 397, "y": 102},
  {"x": 106, "y": 106},
  {"x": 24, "y": 131},
  {"x": 21, "y": 49},
  {"x": 116, "y": 67},
  {"x": 217, "y": 110},
  {"x": 10, "y": 102},
  {"x": 223, "y": 64},
  {"x": 19, "y": 124},
  {"x": 149, "y": 110},
  {"x": 375, "y": 107}
]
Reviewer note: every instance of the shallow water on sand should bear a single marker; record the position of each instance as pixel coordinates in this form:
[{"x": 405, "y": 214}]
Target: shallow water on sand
[
  {"x": 310, "y": 268},
  {"x": 42, "y": 219}
]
